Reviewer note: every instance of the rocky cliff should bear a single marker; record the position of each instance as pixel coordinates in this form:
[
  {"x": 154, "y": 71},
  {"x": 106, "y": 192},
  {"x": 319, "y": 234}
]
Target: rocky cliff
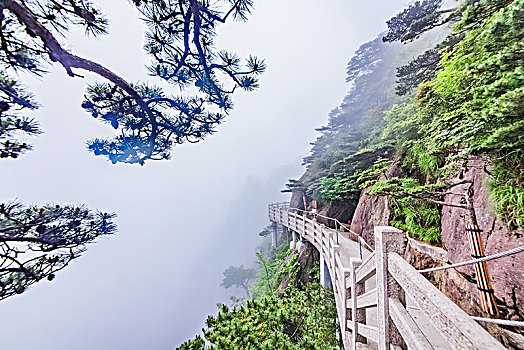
[
  {"x": 506, "y": 273},
  {"x": 459, "y": 285},
  {"x": 307, "y": 260}
]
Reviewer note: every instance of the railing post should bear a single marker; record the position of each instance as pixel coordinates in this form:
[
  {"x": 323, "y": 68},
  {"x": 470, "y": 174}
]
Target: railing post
[
  {"x": 274, "y": 236},
  {"x": 303, "y": 224},
  {"x": 294, "y": 242},
  {"x": 323, "y": 277},
  {"x": 357, "y": 316},
  {"x": 335, "y": 268},
  {"x": 322, "y": 227},
  {"x": 344, "y": 297},
  {"x": 387, "y": 239}
]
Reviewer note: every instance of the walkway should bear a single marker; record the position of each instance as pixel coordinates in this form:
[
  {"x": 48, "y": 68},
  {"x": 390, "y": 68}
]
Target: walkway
[{"x": 382, "y": 301}]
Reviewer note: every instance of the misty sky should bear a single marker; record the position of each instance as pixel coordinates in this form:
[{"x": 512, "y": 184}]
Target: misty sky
[{"x": 181, "y": 222}]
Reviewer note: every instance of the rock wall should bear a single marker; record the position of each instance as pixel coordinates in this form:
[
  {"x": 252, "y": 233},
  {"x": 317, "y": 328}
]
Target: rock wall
[
  {"x": 307, "y": 259},
  {"x": 372, "y": 211},
  {"x": 340, "y": 210},
  {"x": 297, "y": 200},
  {"x": 459, "y": 285},
  {"x": 507, "y": 273}
]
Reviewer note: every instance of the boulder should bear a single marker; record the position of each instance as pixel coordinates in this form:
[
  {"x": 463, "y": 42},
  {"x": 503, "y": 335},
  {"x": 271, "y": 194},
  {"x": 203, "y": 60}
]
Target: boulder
[
  {"x": 297, "y": 200},
  {"x": 373, "y": 211},
  {"x": 340, "y": 210}
]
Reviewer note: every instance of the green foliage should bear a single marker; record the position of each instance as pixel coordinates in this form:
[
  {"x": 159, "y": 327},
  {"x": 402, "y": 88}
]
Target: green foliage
[
  {"x": 474, "y": 105},
  {"x": 297, "y": 317},
  {"x": 410, "y": 207},
  {"x": 403, "y": 123},
  {"x": 510, "y": 204},
  {"x": 407, "y": 187},
  {"x": 196, "y": 344},
  {"x": 350, "y": 143},
  {"x": 475, "y": 101},
  {"x": 418, "y": 217},
  {"x": 343, "y": 187},
  {"x": 352, "y": 126},
  {"x": 424, "y": 67},
  {"x": 289, "y": 269},
  {"x": 270, "y": 264},
  {"x": 266, "y": 231},
  {"x": 337, "y": 187},
  {"x": 417, "y": 18},
  {"x": 36, "y": 242},
  {"x": 404, "y": 128},
  {"x": 238, "y": 276},
  {"x": 418, "y": 157},
  {"x": 300, "y": 319},
  {"x": 370, "y": 175},
  {"x": 13, "y": 123},
  {"x": 507, "y": 188}
]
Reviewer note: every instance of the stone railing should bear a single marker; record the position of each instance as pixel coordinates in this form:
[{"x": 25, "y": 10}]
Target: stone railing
[{"x": 382, "y": 301}]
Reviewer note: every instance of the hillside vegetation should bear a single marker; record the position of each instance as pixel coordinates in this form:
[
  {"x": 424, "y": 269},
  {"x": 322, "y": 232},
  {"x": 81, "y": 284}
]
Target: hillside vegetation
[
  {"x": 461, "y": 97},
  {"x": 292, "y": 315}
]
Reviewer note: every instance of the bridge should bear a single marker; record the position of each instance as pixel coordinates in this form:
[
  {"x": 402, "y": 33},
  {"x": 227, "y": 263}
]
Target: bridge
[{"x": 382, "y": 301}]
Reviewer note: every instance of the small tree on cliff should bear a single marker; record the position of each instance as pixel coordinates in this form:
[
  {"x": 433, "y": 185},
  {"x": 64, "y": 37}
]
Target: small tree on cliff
[{"x": 238, "y": 276}]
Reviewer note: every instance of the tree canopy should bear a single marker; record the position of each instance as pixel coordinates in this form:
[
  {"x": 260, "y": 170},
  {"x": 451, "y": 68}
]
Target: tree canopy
[
  {"x": 294, "y": 316},
  {"x": 460, "y": 97},
  {"x": 300, "y": 319},
  {"x": 37, "y": 241},
  {"x": 148, "y": 120},
  {"x": 238, "y": 276}
]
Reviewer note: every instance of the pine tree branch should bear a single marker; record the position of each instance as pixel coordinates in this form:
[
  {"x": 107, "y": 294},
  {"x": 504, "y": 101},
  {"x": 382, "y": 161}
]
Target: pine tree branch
[{"x": 69, "y": 61}]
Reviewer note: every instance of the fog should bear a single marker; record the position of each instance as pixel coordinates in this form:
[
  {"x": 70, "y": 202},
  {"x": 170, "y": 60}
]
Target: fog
[{"x": 180, "y": 222}]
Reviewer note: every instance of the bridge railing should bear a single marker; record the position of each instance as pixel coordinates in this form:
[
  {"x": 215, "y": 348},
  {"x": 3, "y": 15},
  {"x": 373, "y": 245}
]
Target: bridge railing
[
  {"x": 280, "y": 209},
  {"x": 325, "y": 240},
  {"x": 380, "y": 285}
]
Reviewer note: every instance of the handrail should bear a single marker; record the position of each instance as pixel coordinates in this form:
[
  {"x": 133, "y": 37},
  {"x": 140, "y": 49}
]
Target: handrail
[
  {"x": 394, "y": 279},
  {"x": 360, "y": 239},
  {"x": 509, "y": 323},
  {"x": 460, "y": 330},
  {"x": 477, "y": 260}
]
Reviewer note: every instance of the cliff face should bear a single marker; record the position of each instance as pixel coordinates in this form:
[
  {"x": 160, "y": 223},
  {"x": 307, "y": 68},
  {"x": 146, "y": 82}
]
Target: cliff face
[
  {"x": 506, "y": 273},
  {"x": 459, "y": 285},
  {"x": 340, "y": 210},
  {"x": 373, "y": 211},
  {"x": 297, "y": 200},
  {"x": 307, "y": 259}
]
